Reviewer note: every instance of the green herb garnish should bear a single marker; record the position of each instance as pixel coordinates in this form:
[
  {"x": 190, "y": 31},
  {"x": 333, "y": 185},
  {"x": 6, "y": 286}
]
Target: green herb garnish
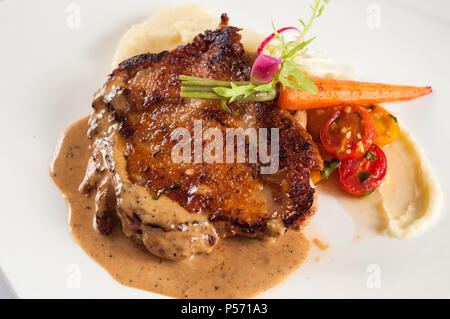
[
  {"x": 289, "y": 73},
  {"x": 358, "y": 115},
  {"x": 330, "y": 167},
  {"x": 395, "y": 119},
  {"x": 157, "y": 153},
  {"x": 367, "y": 194},
  {"x": 208, "y": 89},
  {"x": 370, "y": 156},
  {"x": 363, "y": 176}
]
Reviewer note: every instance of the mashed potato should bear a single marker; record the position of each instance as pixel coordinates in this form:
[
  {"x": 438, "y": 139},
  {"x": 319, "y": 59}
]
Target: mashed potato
[
  {"x": 171, "y": 27},
  {"x": 411, "y": 198}
]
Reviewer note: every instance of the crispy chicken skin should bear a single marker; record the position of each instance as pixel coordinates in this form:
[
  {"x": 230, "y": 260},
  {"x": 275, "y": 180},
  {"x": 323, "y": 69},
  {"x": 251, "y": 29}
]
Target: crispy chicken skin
[{"x": 141, "y": 103}]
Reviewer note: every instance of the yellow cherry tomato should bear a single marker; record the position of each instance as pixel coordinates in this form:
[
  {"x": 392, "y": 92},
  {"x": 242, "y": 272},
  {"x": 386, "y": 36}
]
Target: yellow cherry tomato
[
  {"x": 316, "y": 177},
  {"x": 385, "y": 124},
  {"x": 316, "y": 119}
]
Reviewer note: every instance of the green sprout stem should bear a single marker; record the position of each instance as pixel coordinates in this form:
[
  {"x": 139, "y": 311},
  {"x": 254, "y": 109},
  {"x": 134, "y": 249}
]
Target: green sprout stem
[{"x": 192, "y": 87}]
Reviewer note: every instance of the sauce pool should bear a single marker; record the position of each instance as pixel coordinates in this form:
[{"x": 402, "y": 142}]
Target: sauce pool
[{"x": 238, "y": 268}]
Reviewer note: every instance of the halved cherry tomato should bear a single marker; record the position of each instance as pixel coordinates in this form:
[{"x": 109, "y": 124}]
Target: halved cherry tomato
[
  {"x": 385, "y": 124},
  {"x": 363, "y": 175},
  {"x": 348, "y": 133}
]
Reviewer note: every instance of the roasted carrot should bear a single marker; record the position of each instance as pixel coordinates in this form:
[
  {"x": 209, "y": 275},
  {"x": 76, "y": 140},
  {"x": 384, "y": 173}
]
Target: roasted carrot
[{"x": 335, "y": 93}]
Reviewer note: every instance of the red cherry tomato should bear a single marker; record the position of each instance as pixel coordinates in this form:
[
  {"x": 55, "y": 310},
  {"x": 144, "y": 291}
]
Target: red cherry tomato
[
  {"x": 363, "y": 175},
  {"x": 348, "y": 133}
]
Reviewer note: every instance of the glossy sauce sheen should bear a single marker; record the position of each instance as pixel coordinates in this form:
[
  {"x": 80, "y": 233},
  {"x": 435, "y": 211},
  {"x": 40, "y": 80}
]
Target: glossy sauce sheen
[{"x": 237, "y": 268}]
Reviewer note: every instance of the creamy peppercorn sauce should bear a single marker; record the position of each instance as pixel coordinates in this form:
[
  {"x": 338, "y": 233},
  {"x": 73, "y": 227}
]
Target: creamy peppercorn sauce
[{"x": 238, "y": 268}]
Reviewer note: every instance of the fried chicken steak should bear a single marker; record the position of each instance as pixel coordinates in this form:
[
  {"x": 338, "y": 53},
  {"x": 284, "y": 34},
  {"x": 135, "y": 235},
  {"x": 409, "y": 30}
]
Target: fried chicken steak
[{"x": 179, "y": 209}]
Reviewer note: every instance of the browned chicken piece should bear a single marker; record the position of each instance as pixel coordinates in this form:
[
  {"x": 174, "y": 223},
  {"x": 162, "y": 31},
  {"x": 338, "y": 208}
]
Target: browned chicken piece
[{"x": 179, "y": 209}]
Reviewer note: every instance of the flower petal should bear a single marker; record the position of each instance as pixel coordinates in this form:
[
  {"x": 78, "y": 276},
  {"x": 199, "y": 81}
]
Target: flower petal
[
  {"x": 270, "y": 37},
  {"x": 264, "y": 66}
]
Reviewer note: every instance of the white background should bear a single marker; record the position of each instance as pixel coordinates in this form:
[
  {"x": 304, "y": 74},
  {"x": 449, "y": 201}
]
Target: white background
[{"x": 50, "y": 72}]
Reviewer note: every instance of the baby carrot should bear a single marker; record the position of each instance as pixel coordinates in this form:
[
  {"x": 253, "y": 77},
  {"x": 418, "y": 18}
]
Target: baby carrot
[{"x": 336, "y": 92}]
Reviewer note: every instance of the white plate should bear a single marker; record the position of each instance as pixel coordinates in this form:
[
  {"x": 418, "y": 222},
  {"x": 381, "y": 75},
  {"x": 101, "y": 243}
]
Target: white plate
[{"x": 50, "y": 71}]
